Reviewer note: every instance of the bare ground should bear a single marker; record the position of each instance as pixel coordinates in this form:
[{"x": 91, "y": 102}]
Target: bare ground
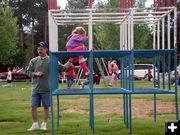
[{"x": 140, "y": 107}]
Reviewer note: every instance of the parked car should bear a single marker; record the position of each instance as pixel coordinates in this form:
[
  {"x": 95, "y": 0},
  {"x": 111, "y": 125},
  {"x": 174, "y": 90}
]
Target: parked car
[
  {"x": 16, "y": 75},
  {"x": 141, "y": 70}
]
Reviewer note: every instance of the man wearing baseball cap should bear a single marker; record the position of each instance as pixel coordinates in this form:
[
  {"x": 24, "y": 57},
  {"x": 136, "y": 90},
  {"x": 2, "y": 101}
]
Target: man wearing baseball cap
[{"x": 38, "y": 70}]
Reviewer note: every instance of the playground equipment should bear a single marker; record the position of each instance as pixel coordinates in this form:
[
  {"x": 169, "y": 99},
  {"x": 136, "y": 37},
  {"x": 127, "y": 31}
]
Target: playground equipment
[{"x": 125, "y": 17}]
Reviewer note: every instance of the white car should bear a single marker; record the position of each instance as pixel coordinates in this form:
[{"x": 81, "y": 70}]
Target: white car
[{"x": 141, "y": 70}]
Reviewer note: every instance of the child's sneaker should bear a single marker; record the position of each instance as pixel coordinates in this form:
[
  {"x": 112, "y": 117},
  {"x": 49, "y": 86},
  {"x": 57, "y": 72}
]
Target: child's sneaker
[
  {"x": 34, "y": 126},
  {"x": 43, "y": 126},
  {"x": 82, "y": 60}
]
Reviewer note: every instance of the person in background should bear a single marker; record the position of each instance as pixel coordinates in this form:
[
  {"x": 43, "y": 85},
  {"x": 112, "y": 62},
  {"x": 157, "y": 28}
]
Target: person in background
[
  {"x": 9, "y": 76},
  {"x": 38, "y": 70},
  {"x": 70, "y": 74},
  {"x": 149, "y": 74},
  {"x": 113, "y": 72}
]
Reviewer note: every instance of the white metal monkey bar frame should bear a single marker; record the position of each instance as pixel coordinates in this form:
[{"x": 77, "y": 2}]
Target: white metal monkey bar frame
[{"x": 157, "y": 18}]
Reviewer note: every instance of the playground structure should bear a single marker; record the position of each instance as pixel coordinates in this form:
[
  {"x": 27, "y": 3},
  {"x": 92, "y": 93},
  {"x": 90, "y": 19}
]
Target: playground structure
[{"x": 126, "y": 17}]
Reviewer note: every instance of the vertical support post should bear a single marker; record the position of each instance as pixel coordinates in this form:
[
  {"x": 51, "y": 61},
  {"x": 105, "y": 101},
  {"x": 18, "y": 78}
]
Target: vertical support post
[
  {"x": 175, "y": 3},
  {"x": 121, "y": 44},
  {"x": 154, "y": 36},
  {"x": 53, "y": 84},
  {"x": 123, "y": 41},
  {"x": 169, "y": 3},
  {"x": 163, "y": 46},
  {"x": 154, "y": 73},
  {"x": 91, "y": 93},
  {"x": 124, "y": 108},
  {"x": 58, "y": 111},
  {"x": 90, "y": 31},
  {"x": 163, "y": 68},
  {"x": 154, "y": 107},
  {"x": 158, "y": 65},
  {"x": 129, "y": 33},
  {"x": 169, "y": 70},
  {"x": 125, "y": 35},
  {"x": 169, "y": 38},
  {"x": 53, "y": 34},
  {"x": 132, "y": 29},
  {"x": 175, "y": 78},
  {"x": 132, "y": 70},
  {"x": 127, "y": 111},
  {"x": 158, "y": 35},
  {"x": 175, "y": 26},
  {"x": 154, "y": 3},
  {"x": 130, "y": 114}
]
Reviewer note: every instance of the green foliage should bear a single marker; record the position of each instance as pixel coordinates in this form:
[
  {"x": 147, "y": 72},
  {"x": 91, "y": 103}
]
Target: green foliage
[
  {"x": 77, "y": 4},
  {"x": 107, "y": 36},
  {"x": 8, "y": 35},
  {"x": 142, "y": 37}
]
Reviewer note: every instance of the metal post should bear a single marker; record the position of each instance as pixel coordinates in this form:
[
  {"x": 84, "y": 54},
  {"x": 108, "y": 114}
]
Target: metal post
[
  {"x": 129, "y": 33},
  {"x": 91, "y": 89},
  {"x": 125, "y": 35},
  {"x": 132, "y": 30},
  {"x": 154, "y": 36},
  {"x": 169, "y": 37},
  {"x": 175, "y": 26},
  {"x": 158, "y": 35},
  {"x": 169, "y": 70},
  {"x": 58, "y": 111},
  {"x": 123, "y": 41},
  {"x": 53, "y": 34},
  {"x": 90, "y": 31},
  {"x": 121, "y": 36},
  {"x": 163, "y": 47},
  {"x": 130, "y": 114},
  {"x": 175, "y": 78}
]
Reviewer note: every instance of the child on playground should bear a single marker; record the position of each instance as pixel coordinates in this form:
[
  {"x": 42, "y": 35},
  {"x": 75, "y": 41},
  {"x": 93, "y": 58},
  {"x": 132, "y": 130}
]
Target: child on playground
[
  {"x": 76, "y": 43},
  {"x": 113, "y": 72},
  {"x": 70, "y": 73}
]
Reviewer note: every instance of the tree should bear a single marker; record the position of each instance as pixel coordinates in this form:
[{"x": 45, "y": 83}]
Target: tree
[
  {"x": 8, "y": 35},
  {"x": 32, "y": 21},
  {"x": 108, "y": 35}
]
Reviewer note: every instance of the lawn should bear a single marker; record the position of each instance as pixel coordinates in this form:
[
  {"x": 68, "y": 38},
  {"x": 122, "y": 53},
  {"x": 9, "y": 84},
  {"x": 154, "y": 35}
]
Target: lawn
[{"x": 15, "y": 116}]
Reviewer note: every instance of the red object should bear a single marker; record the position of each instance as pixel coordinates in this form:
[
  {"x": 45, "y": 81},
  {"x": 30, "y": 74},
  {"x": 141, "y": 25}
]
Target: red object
[
  {"x": 169, "y": 3},
  {"x": 71, "y": 72},
  {"x": 52, "y": 4},
  {"x": 17, "y": 75},
  {"x": 96, "y": 78},
  {"x": 175, "y": 3},
  {"x": 90, "y": 3},
  {"x": 149, "y": 72}
]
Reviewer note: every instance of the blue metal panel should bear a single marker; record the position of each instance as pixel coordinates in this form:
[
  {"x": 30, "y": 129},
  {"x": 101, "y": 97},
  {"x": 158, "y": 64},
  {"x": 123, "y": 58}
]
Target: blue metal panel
[
  {"x": 130, "y": 114},
  {"x": 154, "y": 107},
  {"x": 163, "y": 71},
  {"x": 175, "y": 78},
  {"x": 58, "y": 111},
  {"x": 169, "y": 71},
  {"x": 127, "y": 83},
  {"x": 110, "y": 53}
]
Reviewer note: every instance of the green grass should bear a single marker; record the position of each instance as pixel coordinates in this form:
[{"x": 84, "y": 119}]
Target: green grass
[{"x": 15, "y": 115}]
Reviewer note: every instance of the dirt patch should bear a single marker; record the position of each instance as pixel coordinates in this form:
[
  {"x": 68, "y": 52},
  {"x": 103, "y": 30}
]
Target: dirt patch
[{"x": 140, "y": 107}]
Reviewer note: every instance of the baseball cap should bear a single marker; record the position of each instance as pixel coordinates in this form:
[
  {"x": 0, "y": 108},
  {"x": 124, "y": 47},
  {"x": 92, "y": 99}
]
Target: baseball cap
[{"x": 42, "y": 44}]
